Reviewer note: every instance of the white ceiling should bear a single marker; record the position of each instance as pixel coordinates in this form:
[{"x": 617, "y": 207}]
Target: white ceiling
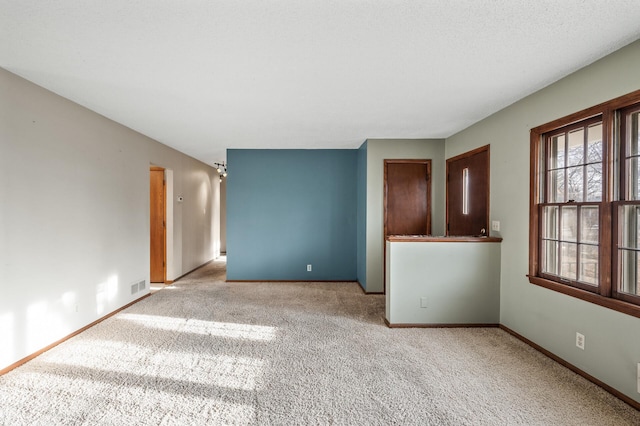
[{"x": 206, "y": 75}]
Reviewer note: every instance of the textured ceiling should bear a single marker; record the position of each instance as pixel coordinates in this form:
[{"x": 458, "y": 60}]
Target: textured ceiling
[{"x": 206, "y": 75}]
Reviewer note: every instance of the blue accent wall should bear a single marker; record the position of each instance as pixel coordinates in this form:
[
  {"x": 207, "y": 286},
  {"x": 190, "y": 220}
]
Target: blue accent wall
[
  {"x": 290, "y": 208},
  {"x": 362, "y": 216}
]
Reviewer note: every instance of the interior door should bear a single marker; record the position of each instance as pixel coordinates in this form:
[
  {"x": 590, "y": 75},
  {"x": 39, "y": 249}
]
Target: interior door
[
  {"x": 468, "y": 193},
  {"x": 157, "y": 225},
  {"x": 407, "y": 197}
]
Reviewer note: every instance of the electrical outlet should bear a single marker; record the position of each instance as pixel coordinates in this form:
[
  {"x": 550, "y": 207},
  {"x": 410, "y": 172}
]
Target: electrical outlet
[
  {"x": 580, "y": 340},
  {"x": 423, "y": 302},
  {"x": 309, "y": 268},
  {"x": 495, "y": 225}
]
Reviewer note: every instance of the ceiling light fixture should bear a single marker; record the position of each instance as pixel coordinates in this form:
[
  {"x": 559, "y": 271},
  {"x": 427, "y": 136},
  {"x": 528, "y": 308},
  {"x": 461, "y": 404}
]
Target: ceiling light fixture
[{"x": 221, "y": 168}]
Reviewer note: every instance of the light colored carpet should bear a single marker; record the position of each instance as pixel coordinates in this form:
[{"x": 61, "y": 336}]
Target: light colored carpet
[{"x": 208, "y": 352}]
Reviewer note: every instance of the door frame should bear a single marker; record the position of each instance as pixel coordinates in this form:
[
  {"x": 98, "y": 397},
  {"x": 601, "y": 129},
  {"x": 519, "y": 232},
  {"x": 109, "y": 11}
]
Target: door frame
[
  {"x": 488, "y": 171},
  {"x": 164, "y": 221}
]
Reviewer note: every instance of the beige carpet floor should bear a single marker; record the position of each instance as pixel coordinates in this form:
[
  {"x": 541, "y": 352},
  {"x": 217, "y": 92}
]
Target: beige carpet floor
[{"x": 204, "y": 351}]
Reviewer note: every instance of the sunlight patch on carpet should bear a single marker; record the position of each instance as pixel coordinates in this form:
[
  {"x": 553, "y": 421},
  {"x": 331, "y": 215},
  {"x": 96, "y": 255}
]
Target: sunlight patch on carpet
[
  {"x": 233, "y": 372},
  {"x": 90, "y": 401},
  {"x": 210, "y": 328}
]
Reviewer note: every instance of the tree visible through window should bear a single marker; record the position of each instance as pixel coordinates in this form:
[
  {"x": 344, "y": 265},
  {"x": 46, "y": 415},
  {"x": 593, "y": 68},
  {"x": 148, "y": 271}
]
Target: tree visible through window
[{"x": 571, "y": 203}]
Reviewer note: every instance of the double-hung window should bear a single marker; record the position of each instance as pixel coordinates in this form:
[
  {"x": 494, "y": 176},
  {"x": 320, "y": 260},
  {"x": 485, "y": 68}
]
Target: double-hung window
[{"x": 585, "y": 205}]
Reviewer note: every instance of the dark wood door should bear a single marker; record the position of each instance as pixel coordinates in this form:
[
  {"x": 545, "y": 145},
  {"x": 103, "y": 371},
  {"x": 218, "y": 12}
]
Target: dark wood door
[
  {"x": 407, "y": 197},
  {"x": 468, "y": 193},
  {"x": 157, "y": 226}
]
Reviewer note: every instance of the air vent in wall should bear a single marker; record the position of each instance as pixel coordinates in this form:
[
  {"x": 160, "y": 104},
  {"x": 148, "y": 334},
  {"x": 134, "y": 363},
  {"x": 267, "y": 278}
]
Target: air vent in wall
[{"x": 136, "y": 287}]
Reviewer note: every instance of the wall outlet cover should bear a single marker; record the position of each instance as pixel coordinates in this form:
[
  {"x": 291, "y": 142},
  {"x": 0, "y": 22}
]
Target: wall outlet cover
[{"x": 580, "y": 340}]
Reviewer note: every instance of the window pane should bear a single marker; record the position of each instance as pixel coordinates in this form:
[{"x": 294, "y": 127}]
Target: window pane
[
  {"x": 589, "y": 224},
  {"x": 556, "y": 186},
  {"x": 594, "y": 143},
  {"x": 629, "y": 272},
  {"x": 556, "y": 152},
  {"x": 630, "y": 230},
  {"x": 465, "y": 191},
  {"x": 594, "y": 182},
  {"x": 588, "y": 264},
  {"x": 629, "y": 217},
  {"x": 633, "y": 176},
  {"x": 575, "y": 183},
  {"x": 550, "y": 257},
  {"x": 568, "y": 256},
  {"x": 569, "y": 224},
  {"x": 634, "y": 136},
  {"x": 576, "y": 148},
  {"x": 550, "y": 222}
]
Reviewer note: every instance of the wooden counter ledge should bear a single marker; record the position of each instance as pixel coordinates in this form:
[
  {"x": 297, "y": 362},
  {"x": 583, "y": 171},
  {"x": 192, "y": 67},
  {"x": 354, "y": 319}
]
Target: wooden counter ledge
[{"x": 442, "y": 239}]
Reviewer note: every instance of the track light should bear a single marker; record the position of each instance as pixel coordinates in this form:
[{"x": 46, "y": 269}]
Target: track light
[{"x": 221, "y": 168}]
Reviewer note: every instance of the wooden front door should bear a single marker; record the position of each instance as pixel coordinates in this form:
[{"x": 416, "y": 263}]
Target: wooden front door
[
  {"x": 407, "y": 201},
  {"x": 468, "y": 193},
  {"x": 157, "y": 225}
]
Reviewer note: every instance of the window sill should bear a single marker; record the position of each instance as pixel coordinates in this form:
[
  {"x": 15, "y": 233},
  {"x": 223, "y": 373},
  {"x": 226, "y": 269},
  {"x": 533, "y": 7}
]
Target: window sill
[{"x": 607, "y": 302}]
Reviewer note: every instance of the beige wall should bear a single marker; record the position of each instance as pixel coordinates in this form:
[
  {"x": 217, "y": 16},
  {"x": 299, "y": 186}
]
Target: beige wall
[
  {"x": 379, "y": 150},
  {"x": 548, "y": 318},
  {"x": 74, "y": 215}
]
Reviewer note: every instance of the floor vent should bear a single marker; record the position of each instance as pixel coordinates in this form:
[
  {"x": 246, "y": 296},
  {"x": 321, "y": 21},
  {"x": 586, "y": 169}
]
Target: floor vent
[{"x": 134, "y": 288}]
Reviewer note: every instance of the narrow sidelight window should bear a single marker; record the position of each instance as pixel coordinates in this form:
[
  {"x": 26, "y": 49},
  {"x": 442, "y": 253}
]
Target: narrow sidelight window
[{"x": 465, "y": 190}]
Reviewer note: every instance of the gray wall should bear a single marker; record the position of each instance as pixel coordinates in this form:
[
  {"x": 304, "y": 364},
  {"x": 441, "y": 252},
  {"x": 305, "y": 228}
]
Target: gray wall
[
  {"x": 433, "y": 270},
  {"x": 548, "y": 318},
  {"x": 74, "y": 215},
  {"x": 379, "y": 150}
]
